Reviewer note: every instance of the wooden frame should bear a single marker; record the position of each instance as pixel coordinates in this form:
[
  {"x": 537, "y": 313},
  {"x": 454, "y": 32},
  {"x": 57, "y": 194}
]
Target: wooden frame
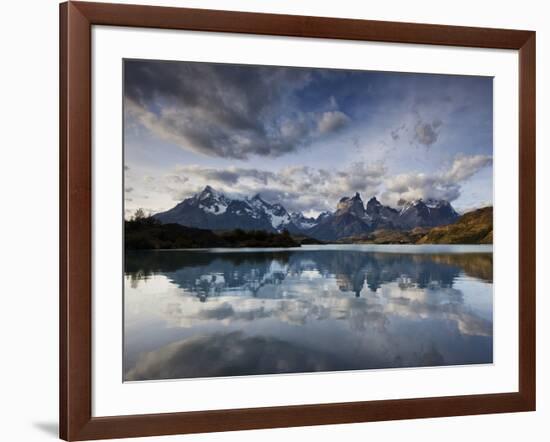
[{"x": 76, "y": 421}]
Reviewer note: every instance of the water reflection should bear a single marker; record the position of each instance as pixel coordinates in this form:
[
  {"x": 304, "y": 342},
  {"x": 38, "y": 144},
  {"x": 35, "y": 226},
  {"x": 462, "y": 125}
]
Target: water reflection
[{"x": 228, "y": 313}]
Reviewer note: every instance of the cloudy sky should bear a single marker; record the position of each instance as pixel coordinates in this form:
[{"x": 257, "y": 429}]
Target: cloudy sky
[{"x": 304, "y": 137}]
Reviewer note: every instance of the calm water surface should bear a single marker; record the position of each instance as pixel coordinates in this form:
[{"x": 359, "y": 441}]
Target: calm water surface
[{"x": 220, "y": 312}]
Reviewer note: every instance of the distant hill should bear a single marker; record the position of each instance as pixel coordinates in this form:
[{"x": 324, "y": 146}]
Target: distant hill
[{"x": 474, "y": 227}]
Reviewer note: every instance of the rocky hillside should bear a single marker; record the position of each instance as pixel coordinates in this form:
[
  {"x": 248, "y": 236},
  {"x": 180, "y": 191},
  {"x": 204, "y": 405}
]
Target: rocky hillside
[{"x": 471, "y": 228}]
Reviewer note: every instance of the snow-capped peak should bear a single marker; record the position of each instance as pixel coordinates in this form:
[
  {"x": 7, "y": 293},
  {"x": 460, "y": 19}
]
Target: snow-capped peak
[
  {"x": 276, "y": 213},
  {"x": 433, "y": 203},
  {"x": 410, "y": 204},
  {"x": 256, "y": 201},
  {"x": 212, "y": 201},
  {"x": 221, "y": 212},
  {"x": 301, "y": 221}
]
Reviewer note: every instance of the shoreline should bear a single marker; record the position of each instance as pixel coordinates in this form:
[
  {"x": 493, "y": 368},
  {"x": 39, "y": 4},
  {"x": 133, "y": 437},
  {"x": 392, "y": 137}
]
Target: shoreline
[{"x": 379, "y": 248}]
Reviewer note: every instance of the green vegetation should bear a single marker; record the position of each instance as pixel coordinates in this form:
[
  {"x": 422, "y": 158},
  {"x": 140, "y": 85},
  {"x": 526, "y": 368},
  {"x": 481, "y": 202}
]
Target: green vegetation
[{"x": 143, "y": 232}]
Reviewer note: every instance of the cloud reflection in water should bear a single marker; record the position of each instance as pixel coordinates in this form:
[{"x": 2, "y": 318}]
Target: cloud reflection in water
[{"x": 199, "y": 314}]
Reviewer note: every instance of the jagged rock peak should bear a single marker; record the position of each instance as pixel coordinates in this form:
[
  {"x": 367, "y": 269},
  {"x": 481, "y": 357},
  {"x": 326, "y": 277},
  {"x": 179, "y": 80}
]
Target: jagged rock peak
[
  {"x": 351, "y": 205},
  {"x": 206, "y": 192},
  {"x": 374, "y": 201},
  {"x": 373, "y": 206},
  {"x": 214, "y": 210}
]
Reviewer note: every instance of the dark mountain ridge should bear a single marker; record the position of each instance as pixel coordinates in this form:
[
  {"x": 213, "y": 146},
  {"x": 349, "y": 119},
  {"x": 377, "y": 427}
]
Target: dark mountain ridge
[
  {"x": 353, "y": 219},
  {"x": 213, "y": 210}
]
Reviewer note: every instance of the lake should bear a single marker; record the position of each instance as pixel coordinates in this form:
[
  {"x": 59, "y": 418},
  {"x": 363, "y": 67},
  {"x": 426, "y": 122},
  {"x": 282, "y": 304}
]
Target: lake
[{"x": 232, "y": 312}]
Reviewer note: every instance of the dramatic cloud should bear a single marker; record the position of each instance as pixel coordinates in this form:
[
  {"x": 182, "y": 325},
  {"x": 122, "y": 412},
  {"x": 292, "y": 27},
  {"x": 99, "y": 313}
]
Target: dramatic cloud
[
  {"x": 464, "y": 167},
  {"x": 444, "y": 185},
  {"x": 409, "y": 187},
  {"x": 304, "y": 137},
  {"x": 312, "y": 190},
  {"x": 298, "y": 188},
  {"x": 226, "y": 110},
  {"x": 229, "y": 176}
]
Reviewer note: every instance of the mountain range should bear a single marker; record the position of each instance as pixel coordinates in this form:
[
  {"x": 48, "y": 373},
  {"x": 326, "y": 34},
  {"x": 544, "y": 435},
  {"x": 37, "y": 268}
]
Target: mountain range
[{"x": 213, "y": 210}]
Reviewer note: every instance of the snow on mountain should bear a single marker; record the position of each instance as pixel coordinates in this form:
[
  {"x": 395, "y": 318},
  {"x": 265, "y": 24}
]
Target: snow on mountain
[
  {"x": 322, "y": 216},
  {"x": 214, "y": 210},
  {"x": 212, "y": 201},
  {"x": 429, "y": 213},
  {"x": 303, "y": 222},
  {"x": 211, "y": 209},
  {"x": 276, "y": 213},
  {"x": 352, "y": 218}
]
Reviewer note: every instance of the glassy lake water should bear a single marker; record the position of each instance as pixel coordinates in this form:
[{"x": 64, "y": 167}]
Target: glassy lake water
[{"x": 219, "y": 312}]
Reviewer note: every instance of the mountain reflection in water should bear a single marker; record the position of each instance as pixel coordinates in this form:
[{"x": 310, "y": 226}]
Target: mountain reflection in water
[{"x": 317, "y": 308}]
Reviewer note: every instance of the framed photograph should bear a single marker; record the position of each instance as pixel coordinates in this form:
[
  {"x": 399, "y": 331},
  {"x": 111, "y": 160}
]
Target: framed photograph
[{"x": 272, "y": 221}]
